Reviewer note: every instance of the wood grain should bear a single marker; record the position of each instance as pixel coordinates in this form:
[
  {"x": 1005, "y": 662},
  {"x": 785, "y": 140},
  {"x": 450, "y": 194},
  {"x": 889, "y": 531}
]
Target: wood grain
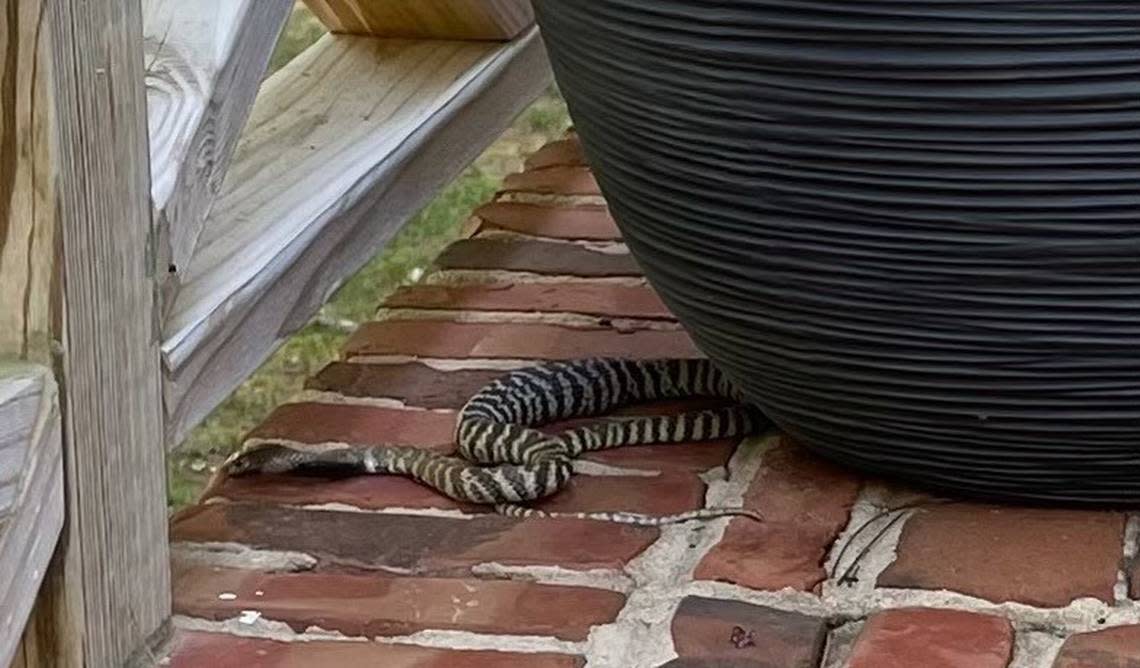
[
  {"x": 431, "y": 19},
  {"x": 31, "y": 492},
  {"x": 109, "y": 586},
  {"x": 344, "y": 146},
  {"x": 27, "y": 221},
  {"x": 205, "y": 60},
  {"x": 31, "y": 467}
]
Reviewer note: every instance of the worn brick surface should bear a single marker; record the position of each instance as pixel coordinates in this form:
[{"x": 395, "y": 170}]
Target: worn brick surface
[
  {"x": 364, "y": 491},
  {"x": 709, "y": 632},
  {"x": 805, "y": 502},
  {"x": 536, "y": 257},
  {"x": 417, "y": 385},
  {"x": 567, "y": 152},
  {"x": 1037, "y": 556},
  {"x": 412, "y": 544},
  {"x": 1111, "y": 648},
  {"x": 693, "y": 457},
  {"x": 553, "y": 181},
  {"x": 597, "y": 299},
  {"x": 311, "y": 422},
  {"x": 665, "y": 494},
  {"x": 586, "y": 223},
  {"x": 195, "y": 650},
  {"x": 375, "y": 605},
  {"x": 514, "y": 341},
  {"x": 933, "y": 639}
]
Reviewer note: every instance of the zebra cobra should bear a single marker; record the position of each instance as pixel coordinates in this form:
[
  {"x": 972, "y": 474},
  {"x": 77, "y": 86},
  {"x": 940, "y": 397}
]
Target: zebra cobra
[{"x": 505, "y": 461}]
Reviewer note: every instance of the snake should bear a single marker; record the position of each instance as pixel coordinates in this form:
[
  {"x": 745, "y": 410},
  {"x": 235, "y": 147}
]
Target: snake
[{"x": 505, "y": 461}]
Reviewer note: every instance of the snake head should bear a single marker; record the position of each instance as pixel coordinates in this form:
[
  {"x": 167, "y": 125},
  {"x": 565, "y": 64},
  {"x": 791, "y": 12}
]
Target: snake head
[
  {"x": 239, "y": 464},
  {"x": 259, "y": 459}
]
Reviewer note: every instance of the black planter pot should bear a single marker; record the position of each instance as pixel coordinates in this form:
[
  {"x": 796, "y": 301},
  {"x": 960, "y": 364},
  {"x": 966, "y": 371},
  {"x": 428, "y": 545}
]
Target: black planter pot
[{"x": 909, "y": 228}]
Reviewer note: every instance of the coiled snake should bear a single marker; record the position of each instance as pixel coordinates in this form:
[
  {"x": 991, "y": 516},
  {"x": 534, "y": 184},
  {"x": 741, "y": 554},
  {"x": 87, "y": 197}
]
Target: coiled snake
[{"x": 506, "y": 462}]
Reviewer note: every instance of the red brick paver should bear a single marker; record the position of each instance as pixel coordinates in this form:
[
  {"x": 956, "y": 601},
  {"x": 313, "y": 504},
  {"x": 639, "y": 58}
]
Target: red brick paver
[
  {"x": 553, "y": 181},
  {"x": 194, "y": 650},
  {"x": 311, "y": 422},
  {"x": 663, "y": 494},
  {"x": 438, "y": 546},
  {"x": 427, "y": 338},
  {"x": 537, "y": 257},
  {"x": 417, "y": 385},
  {"x": 564, "y": 153},
  {"x": 371, "y": 605},
  {"x": 360, "y": 492},
  {"x": 805, "y": 502},
  {"x": 597, "y": 299},
  {"x": 585, "y": 223},
  {"x": 933, "y": 639},
  {"x": 1111, "y": 648},
  {"x": 709, "y": 632},
  {"x": 1040, "y": 557}
]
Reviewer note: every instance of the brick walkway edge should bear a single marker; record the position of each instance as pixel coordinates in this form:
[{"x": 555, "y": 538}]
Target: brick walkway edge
[{"x": 377, "y": 571}]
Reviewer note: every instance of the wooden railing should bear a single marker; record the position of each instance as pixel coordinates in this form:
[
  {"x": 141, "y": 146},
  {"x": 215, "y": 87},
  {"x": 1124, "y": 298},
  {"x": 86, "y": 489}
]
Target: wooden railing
[{"x": 133, "y": 299}]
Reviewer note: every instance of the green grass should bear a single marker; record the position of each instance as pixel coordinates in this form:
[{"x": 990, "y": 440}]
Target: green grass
[
  {"x": 302, "y": 30},
  {"x": 415, "y": 248}
]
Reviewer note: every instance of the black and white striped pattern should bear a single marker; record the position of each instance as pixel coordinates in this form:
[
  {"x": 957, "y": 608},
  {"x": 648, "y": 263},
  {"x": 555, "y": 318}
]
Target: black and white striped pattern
[{"x": 506, "y": 461}]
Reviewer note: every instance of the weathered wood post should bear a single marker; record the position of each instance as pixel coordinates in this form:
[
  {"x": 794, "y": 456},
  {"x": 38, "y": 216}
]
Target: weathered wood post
[{"x": 77, "y": 298}]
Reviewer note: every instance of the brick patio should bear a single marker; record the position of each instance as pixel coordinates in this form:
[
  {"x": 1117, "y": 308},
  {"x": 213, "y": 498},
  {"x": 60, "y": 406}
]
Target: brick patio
[{"x": 377, "y": 571}]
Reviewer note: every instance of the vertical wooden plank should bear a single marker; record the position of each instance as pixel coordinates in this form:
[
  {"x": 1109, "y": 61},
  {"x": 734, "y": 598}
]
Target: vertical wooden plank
[
  {"x": 27, "y": 221},
  {"x": 108, "y": 590},
  {"x": 31, "y": 467},
  {"x": 426, "y": 19}
]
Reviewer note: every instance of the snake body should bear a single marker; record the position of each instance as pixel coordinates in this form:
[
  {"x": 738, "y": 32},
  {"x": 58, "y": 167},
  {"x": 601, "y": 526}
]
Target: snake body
[{"x": 505, "y": 461}]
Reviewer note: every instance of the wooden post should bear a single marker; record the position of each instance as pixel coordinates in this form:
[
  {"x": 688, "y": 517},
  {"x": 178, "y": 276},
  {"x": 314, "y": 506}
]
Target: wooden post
[
  {"x": 31, "y": 460},
  {"x": 108, "y": 589}
]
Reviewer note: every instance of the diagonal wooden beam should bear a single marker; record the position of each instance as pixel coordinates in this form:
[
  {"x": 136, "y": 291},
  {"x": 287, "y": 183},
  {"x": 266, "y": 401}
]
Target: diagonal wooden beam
[
  {"x": 204, "y": 60},
  {"x": 345, "y": 145}
]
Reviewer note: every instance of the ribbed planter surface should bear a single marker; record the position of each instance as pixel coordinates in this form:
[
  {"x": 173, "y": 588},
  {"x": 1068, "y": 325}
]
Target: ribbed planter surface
[{"x": 910, "y": 229}]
